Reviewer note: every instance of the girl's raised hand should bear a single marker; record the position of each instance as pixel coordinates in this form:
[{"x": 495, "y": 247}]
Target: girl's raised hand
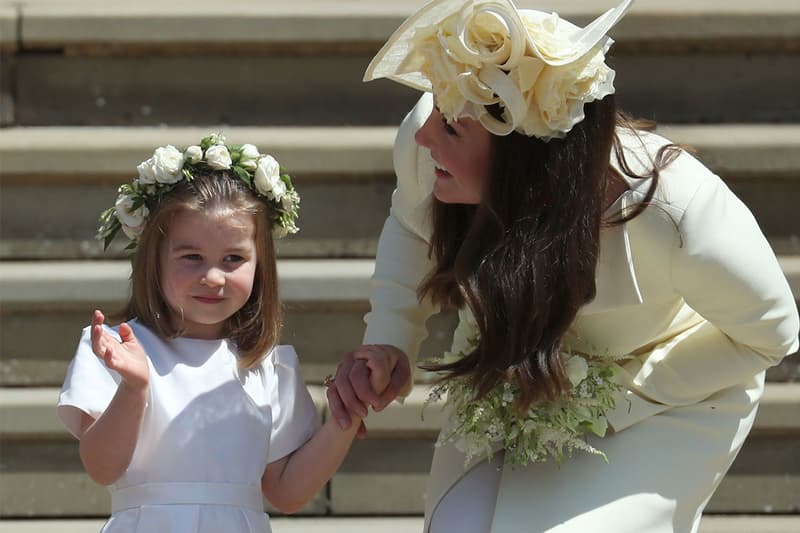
[{"x": 125, "y": 356}]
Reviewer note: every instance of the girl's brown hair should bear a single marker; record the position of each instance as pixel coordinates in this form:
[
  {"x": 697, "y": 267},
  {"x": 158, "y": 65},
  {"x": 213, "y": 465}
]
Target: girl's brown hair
[
  {"x": 256, "y": 327},
  {"x": 524, "y": 259}
]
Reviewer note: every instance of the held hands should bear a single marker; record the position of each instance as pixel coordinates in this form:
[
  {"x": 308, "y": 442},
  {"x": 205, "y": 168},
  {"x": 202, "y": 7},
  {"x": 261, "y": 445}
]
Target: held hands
[
  {"x": 125, "y": 356},
  {"x": 372, "y": 375}
]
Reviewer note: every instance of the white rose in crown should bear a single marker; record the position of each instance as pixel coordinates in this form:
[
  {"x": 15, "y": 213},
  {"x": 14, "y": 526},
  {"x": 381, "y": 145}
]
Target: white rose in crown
[
  {"x": 249, "y": 157},
  {"x": 131, "y": 220},
  {"x": 267, "y": 178},
  {"x": 577, "y": 369},
  {"x": 165, "y": 166},
  {"x": 218, "y": 157},
  {"x": 193, "y": 154}
]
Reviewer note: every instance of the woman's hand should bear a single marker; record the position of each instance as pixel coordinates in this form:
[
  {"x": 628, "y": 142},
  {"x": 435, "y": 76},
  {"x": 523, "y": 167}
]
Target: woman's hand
[
  {"x": 125, "y": 356},
  {"x": 353, "y": 390}
]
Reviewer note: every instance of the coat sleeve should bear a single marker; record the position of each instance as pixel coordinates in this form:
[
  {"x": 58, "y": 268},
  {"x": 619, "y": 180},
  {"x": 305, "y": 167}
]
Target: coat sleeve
[
  {"x": 396, "y": 315},
  {"x": 725, "y": 270}
]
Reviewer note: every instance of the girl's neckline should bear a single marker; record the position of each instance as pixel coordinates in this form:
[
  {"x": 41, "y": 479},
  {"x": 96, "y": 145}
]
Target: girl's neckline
[{"x": 198, "y": 340}]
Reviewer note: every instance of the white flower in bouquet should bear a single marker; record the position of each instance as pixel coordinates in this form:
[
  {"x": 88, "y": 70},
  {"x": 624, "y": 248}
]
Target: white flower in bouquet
[
  {"x": 577, "y": 369},
  {"x": 218, "y": 157}
]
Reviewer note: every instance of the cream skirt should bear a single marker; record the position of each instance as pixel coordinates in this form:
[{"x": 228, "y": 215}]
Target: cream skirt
[{"x": 659, "y": 476}]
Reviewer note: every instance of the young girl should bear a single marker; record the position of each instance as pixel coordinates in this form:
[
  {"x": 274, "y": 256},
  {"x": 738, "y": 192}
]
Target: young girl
[
  {"x": 614, "y": 294},
  {"x": 189, "y": 412}
]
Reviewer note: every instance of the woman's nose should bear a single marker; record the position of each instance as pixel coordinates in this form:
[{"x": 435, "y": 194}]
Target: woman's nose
[{"x": 423, "y": 135}]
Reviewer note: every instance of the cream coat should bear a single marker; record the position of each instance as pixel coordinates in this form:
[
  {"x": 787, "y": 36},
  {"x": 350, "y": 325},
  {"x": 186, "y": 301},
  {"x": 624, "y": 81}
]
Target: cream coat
[{"x": 690, "y": 289}]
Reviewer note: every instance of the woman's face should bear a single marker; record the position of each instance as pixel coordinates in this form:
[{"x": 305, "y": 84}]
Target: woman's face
[{"x": 462, "y": 152}]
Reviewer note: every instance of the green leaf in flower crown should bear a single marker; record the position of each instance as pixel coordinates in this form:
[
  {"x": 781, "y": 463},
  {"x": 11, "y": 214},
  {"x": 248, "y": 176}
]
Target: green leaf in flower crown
[
  {"x": 137, "y": 203},
  {"x": 207, "y": 143},
  {"x": 243, "y": 175},
  {"x": 234, "y": 148},
  {"x": 111, "y": 233},
  {"x": 236, "y": 155},
  {"x": 187, "y": 174},
  {"x": 285, "y": 178}
]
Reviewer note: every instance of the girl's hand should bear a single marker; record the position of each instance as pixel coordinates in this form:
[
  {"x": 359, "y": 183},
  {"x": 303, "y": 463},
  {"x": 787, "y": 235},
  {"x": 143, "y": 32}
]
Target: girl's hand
[
  {"x": 354, "y": 389},
  {"x": 125, "y": 356}
]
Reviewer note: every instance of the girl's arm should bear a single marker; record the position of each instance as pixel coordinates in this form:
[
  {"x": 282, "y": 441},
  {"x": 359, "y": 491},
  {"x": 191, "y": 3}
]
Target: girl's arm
[
  {"x": 396, "y": 320},
  {"x": 107, "y": 444},
  {"x": 290, "y": 482}
]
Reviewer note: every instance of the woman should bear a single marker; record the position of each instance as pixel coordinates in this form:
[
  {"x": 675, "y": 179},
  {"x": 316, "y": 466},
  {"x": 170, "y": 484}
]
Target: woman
[{"x": 559, "y": 227}]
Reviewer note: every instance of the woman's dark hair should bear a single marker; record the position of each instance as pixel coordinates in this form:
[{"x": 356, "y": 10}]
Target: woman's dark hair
[{"x": 524, "y": 259}]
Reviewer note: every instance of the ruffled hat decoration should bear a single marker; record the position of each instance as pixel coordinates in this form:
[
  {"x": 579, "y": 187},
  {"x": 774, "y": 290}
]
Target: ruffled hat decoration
[{"x": 471, "y": 54}]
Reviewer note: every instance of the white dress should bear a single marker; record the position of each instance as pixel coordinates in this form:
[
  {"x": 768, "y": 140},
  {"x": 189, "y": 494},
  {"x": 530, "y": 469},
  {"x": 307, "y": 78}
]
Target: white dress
[{"x": 208, "y": 432}]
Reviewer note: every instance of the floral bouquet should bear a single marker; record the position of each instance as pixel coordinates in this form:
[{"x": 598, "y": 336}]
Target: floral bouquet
[{"x": 548, "y": 429}]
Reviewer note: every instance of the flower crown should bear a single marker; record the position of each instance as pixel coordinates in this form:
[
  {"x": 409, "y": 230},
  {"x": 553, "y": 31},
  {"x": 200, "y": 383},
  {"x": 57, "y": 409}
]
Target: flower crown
[
  {"x": 168, "y": 166},
  {"x": 477, "y": 53}
]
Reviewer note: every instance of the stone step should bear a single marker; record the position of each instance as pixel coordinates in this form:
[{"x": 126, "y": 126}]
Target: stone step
[
  {"x": 29, "y": 413},
  {"x": 382, "y": 475},
  {"x": 324, "y": 305},
  {"x": 137, "y": 63},
  {"x": 43, "y": 24},
  {"x": 412, "y": 524},
  {"x": 67, "y": 167},
  {"x": 46, "y": 172},
  {"x": 324, "y": 300}
]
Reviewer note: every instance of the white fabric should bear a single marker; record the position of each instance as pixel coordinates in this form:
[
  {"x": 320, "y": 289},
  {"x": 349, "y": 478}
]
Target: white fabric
[
  {"x": 690, "y": 289},
  {"x": 468, "y": 507},
  {"x": 208, "y": 432}
]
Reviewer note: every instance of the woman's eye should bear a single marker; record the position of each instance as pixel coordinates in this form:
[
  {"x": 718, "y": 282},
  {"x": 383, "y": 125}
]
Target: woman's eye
[{"x": 234, "y": 258}]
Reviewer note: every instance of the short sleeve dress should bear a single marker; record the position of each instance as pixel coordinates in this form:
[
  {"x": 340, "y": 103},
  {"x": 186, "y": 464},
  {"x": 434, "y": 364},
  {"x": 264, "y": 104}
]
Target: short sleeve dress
[{"x": 209, "y": 430}]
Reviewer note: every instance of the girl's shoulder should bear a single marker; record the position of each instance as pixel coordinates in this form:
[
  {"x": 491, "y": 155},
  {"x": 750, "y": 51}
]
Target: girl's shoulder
[
  {"x": 276, "y": 377},
  {"x": 282, "y": 355}
]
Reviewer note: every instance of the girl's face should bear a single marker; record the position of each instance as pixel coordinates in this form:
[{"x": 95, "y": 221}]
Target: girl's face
[
  {"x": 208, "y": 266},
  {"x": 462, "y": 152}
]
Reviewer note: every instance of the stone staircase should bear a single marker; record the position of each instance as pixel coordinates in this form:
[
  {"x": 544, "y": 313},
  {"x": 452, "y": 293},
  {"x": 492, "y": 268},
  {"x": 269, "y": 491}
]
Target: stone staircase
[{"x": 88, "y": 88}]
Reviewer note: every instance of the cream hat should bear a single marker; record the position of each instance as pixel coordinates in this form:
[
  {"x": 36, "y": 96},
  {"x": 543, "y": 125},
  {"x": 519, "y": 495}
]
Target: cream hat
[{"x": 473, "y": 53}]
